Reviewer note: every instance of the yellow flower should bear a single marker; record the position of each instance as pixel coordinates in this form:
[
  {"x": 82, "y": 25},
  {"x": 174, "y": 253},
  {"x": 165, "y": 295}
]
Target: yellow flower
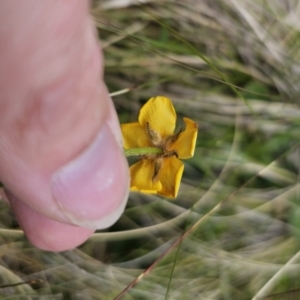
[{"x": 159, "y": 173}]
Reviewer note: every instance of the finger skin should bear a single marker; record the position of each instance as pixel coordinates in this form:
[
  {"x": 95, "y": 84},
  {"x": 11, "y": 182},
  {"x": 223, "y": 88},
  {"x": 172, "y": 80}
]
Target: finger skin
[
  {"x": 54, "y": 106},
  {"x": 46, "y": 233}
]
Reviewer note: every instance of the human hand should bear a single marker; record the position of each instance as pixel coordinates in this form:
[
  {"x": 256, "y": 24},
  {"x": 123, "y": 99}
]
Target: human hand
[{"x": 61, "y": 157}]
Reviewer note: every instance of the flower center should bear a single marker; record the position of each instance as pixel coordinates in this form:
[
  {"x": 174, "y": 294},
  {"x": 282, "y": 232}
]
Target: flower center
[{"x": 164, "y": 144}]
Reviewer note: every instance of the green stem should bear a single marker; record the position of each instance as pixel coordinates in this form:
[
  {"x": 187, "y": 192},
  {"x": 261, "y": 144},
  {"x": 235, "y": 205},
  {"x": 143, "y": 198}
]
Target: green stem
[{"x": 142, "y": 151}]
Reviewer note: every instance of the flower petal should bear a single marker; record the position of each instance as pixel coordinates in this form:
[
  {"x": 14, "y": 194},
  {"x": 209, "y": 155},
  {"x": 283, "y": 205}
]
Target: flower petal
[
  {"x": 141, "y": 177},
  {"x": 170, "y": 177},
  {"x": 134, "y": 136},
  {"x": 160, "y": 114},
  {"x": 186, "y": 142}
]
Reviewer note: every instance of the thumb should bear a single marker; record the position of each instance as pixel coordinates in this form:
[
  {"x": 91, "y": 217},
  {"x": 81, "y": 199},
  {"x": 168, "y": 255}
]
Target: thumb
[{"x": 60, "y": 144}]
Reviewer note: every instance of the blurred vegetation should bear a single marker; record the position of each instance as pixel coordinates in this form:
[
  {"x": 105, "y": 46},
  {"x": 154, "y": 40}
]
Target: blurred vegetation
[{"x": 234, "y": 230}]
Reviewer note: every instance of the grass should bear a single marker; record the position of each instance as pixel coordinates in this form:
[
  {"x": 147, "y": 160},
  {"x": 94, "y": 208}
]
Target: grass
[{"x": 233, "y": 232}]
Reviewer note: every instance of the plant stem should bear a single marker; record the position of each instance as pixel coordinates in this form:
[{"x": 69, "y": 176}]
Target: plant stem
[{"x": 142, "y": 151}]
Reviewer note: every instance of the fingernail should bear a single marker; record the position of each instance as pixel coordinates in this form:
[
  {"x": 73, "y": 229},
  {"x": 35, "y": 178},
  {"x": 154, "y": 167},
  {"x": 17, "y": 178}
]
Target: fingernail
[
  {"x": 92, "y": 190},
  {"x": 114, "y": 125}
]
